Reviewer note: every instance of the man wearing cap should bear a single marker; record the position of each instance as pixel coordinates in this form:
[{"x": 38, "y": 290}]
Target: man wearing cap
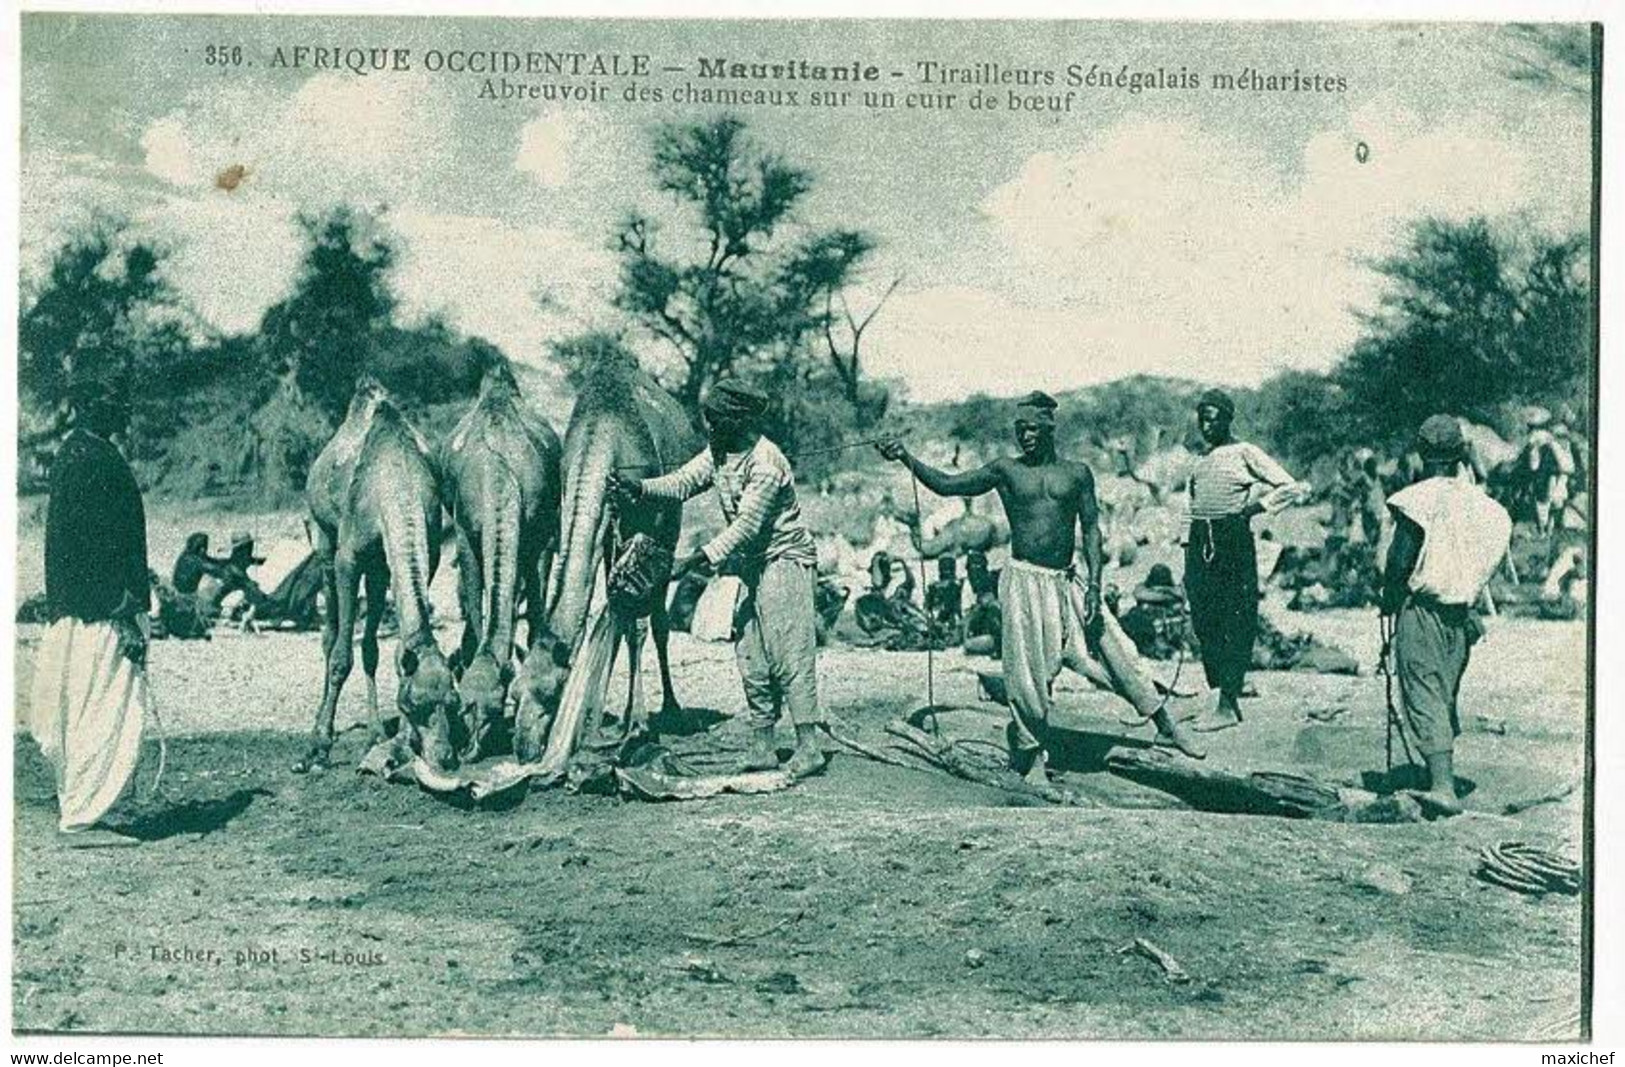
[
  {"x": 234, "y": 577},
  {"x": 1231, "y": 482},
  {"x": 89, "y": 696},
  {"x": 769, "y": 547},
  {"x": 1448, "y": 538},
  {"x": 1052, "y": 614},
  {"x": 1158, "y": 624}
]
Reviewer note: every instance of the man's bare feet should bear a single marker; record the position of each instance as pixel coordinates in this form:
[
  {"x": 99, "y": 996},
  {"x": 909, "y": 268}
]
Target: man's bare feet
[
  {"x": 1436, "y": 803},
  {"x": 98, "y": 837},
  {"x": 1170, "y": 735},
  {"x": 809, "y": 757},
  {"x": 761, "y": 755},
  {"x": 1225, "y": 714}
]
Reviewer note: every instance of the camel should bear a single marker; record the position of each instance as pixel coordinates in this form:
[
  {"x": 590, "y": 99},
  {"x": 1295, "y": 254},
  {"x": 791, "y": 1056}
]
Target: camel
[
  {"x": 374, "y": 500},
  {"x": 499, "y": 474},
  {"x": 622, "y": 422}
]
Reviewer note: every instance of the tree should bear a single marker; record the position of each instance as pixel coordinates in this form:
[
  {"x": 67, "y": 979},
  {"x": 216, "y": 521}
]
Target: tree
[
  {"x": 323, "y": 334},
  {"x": 1474, "y": 321},
  {"x": 749, "y": 297},
  {"x": 581, "y": 351},
  {"x": 867, "y": 399},
  {"x": 1303, "y": 415},
  {"x": 103, "y": 307},
  {"x": 1553, "y": 56}
]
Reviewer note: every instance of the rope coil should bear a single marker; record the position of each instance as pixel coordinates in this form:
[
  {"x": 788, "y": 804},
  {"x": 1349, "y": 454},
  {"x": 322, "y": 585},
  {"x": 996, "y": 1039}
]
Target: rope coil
[{"x": 1528, "y": 869}]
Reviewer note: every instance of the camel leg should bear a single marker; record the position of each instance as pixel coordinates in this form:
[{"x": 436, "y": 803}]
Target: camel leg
[
  {"x": 376, "y": 580},
  {"x": 340, "y": 653},
  {"x": 634, "y": 678},
  {"x": 660, "y": 627},
  {"x": 533, "y": 574},
  {"x": 470, "y": 593}
]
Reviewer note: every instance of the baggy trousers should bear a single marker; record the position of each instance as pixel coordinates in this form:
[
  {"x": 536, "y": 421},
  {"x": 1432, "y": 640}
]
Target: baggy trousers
[
  {"x": 1044, "y": 630},
  {"x": 1221, "y": 583},
  {"x": 777, "y": 650}
]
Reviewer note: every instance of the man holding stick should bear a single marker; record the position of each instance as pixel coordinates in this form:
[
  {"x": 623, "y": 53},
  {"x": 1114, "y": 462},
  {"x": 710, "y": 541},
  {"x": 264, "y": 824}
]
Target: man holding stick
[
  {"x": 1448, "y": 538},
  {"x": 1052, "y": 614}
]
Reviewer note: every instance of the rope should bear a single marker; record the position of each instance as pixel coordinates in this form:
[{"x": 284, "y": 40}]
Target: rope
[
  {"x": 1528, "y": 869},
  {"x": 163, "y": 745},
  {"x": 1386, "y": 629},
  {"x": 803, "y": 454},
  {"x": 930, "y": 623}
]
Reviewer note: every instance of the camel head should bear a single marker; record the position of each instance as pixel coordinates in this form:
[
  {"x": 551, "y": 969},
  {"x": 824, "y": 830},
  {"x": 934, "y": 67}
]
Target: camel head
[
  {"x": 429, "y": 702},
  {"x": 369, "y": 393},
  {"x": 540, "y": 687},
  {"x": 498, "y": 380},
  {"x": 482, "y": 695}
]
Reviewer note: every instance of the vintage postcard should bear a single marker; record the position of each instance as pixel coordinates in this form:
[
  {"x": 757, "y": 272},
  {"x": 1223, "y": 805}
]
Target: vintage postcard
[{"x": 866, "y": 529}]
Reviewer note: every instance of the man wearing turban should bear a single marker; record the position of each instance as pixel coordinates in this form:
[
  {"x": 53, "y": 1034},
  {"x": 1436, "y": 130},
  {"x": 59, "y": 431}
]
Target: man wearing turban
[{"x": 769, "y": 547}]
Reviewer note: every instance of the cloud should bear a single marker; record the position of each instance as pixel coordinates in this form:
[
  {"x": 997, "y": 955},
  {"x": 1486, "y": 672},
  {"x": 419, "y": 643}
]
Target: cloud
[
  {"x": 547, "y": 146},
  {"x": 169, "y": 152},
  {"x": 485, "y": 275},
  {"x": 335, "y": 138},
  {"x": 1162, "y": 247}
]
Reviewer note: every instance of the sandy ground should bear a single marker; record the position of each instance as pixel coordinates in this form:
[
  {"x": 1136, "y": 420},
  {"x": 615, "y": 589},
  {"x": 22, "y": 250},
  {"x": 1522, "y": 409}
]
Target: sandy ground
[{"x": 872, "y": 901}]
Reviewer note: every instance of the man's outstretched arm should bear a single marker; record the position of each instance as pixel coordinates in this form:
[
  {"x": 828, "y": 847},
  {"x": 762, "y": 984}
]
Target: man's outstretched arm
[{"x": 969, "y": 483}]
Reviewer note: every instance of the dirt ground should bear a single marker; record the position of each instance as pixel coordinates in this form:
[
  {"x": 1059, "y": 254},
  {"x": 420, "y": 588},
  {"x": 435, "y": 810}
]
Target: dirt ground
[{"x": 872, "y": 901}]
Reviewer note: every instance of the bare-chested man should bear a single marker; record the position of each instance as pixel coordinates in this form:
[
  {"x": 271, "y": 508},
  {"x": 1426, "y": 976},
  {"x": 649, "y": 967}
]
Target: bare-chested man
[{"x": 1052, "y": 613}]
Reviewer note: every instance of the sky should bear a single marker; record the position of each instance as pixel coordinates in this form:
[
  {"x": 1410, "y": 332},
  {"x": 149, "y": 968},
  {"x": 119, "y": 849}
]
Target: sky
[{"x": 1219, "y": 235}]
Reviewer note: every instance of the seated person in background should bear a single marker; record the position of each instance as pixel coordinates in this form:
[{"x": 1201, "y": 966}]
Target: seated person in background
[
  {"x": 194, "y": 564},
  {"x": 1157, "y": 622},
  {"x": 984, "y": 621},
  {"x": 182, "y": 611},
  {"x": 233, "y": 578},
  {"x": 873, "y": 609},
  {"x": 829, "y": 600},
  {"x": 889, "y": 614},
  {"x": 942, "y": 600}
]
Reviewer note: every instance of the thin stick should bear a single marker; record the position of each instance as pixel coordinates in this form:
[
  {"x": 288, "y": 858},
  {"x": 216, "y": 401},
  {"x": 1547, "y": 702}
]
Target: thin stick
[{"x": 739, "y": 939}]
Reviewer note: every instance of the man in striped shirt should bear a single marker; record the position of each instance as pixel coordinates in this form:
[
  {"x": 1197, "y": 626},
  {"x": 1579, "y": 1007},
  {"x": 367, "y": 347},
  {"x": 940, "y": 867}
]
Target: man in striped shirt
[
  {"x": 1233, "y": 481},
  {"x": 769, "y": 547}
]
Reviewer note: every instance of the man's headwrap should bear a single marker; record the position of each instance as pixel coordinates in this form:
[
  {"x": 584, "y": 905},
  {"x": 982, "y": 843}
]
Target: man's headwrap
[
  {"x": 1220, "y": 399},
  {"x": 90, "y": 387},
  {"x": 1037, "y": 407},
  {"x": 1440, "y": 440},
  {"x": 736, "y": 402}
]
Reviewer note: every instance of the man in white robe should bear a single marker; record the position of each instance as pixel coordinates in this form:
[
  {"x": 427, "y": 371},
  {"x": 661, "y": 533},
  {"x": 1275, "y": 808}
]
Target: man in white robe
[{"x": 90, "y": 694}]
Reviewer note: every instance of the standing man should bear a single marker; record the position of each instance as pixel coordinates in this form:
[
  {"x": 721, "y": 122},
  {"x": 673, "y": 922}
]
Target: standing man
[
  {"x": 1052, "y": 614},
  {"x": 1233, "y": 481},
  {"x": 768, "y": 546},
  {"x": 90, "y": 685},
  {"x": 1448, "y": 539}
]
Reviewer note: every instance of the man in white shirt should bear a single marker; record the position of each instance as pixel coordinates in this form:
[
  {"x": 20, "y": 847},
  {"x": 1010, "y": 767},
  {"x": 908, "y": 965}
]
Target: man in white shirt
[{"x": 1448, "y": 538}]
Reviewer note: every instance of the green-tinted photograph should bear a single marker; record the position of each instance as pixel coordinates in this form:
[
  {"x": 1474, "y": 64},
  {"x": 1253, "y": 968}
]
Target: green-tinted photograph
[{"x": 804, "y": 529}]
